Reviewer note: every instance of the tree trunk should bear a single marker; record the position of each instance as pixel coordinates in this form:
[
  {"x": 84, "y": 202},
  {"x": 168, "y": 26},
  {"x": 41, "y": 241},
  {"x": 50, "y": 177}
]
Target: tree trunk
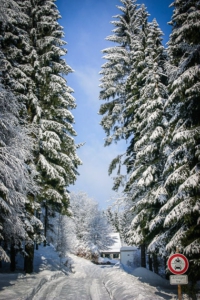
[
  {"x": 165, "y": 264},
  {"x": 150, "y": 263},
  {"x": 12, "y": 258},
  {"x": 143, "y": 256},
  {"x": 1, "y": 260},
  {"x": 28, "y": 260},
  {"x": 155, "y": 263},
  {"x": 45, "y": 224}
]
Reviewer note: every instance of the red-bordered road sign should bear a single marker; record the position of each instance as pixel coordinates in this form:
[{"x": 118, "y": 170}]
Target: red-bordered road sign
[{"x": 178, "y": 264}]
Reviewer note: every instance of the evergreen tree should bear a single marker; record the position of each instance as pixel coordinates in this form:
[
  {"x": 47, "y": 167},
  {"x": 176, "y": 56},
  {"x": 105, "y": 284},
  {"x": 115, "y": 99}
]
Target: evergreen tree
[
  {"x": 181, "y": 142},
  {"x": 115, "y": 71},
  {"x": 114, "y": 76},
  {"x": 17, "y": 149},
  {"x": 14, "y": 45},
  {"x": 144, "y": 95},
  {"x": 32, "y": 68},
  {"x": 56, "y": 158},
  {"x": 48, "y": 105},
  {"x": 148, "y": 125},
  {"x": 14, "y": 179}
]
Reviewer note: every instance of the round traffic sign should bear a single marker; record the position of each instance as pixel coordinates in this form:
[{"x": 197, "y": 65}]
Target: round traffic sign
[{"x": 178, "y": 264}]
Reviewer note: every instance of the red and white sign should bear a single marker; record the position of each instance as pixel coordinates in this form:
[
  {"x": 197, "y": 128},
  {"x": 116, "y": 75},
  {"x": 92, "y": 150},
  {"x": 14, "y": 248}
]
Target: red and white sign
[{"x": 178, "y": 264}]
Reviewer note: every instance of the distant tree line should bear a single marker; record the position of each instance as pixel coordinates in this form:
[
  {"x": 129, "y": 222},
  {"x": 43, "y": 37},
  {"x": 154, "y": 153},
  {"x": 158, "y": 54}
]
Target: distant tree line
[
  {"x": 38, "y": 159},
  {"x": 151, "y": 100},
  {"x": 85, "y": 233}
]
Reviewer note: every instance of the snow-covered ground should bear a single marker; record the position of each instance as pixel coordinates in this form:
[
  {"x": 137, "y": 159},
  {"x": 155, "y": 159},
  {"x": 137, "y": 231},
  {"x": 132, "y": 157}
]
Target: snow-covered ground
[{"x": 80, "y": 279}]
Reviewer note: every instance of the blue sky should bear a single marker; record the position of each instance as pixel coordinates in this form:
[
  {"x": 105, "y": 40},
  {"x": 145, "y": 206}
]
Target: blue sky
[{"x": 86, "y": 25}]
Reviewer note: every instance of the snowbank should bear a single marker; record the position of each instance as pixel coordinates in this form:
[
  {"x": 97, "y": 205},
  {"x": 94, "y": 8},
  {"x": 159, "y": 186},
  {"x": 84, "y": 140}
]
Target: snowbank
[
  {"x": 47, "y": 266},
  {"x": 21, "y": 286},
  {"x": 121, "y": 285},
  {"x": 149, "y": 277}
]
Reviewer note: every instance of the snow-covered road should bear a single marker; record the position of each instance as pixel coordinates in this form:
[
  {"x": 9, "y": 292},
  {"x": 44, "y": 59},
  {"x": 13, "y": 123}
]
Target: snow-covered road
[
  {"x": 73, "y": 289},
  {"x": 87, "y": 281},
  {"x": 84, "y": 283}
]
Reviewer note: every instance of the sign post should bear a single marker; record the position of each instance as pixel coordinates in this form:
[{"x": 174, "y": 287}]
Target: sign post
[{"x": 178, "y": 265}]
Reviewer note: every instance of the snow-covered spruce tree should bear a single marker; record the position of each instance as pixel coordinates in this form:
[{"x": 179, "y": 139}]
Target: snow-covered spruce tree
[
  {"x": 132, "y": 84},
  {"x": 4, "y": 6},
  {"x": 11, "y": 201},
  {"x": 144, "y": 94},
  {"x": 15, "y": 179},
  {"x": 14, "y": 45},
  {"x": 48, "y": 103},
  {"x": 56, "y": 158},
  {"x": 182, "y": 140},
  {"x": 114, "y": 75},
  {"x": 144, "y": 157},
  {"x": 13, "y": 48}
]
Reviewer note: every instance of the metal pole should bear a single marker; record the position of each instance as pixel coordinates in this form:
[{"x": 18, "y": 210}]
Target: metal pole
[{"x": 179, "y": 286}]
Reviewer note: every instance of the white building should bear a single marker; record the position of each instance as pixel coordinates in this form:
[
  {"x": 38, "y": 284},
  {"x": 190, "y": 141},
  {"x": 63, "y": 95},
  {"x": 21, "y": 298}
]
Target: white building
[{"x": 127, "y": 254}]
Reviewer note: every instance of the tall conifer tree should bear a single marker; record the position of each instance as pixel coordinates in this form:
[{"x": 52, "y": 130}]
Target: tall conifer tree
[
  {"x": 33, "y": 69},
  {"x": 113, "y": 82},
  {"x": 148, "y": 125},
  {"x": 141, "y": 119},
  {"x": 14, "y": 45},
  {"x": 57, "y": 160},
  {"x": 181, "y": 142}
]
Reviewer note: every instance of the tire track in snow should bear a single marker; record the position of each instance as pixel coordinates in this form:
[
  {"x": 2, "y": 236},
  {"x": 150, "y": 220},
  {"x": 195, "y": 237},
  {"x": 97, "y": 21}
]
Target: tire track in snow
[
  {"x": 85, "y": 284},
  {"x": 98, "y": 291},
  {"x": 50, "y": 289}
]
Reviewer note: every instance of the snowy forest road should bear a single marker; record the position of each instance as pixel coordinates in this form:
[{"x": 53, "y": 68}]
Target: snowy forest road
[
  {"x": 88, "y": 281},
  {"x": 85, "y": 283},
  {"x": 73, "y": 289}
]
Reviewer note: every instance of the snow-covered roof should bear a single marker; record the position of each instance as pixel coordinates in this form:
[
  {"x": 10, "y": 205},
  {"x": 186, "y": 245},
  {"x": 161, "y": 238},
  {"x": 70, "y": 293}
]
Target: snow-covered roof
[
  {"x": 115, "y": 247},
  {"x": 128, "y": 248}
]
